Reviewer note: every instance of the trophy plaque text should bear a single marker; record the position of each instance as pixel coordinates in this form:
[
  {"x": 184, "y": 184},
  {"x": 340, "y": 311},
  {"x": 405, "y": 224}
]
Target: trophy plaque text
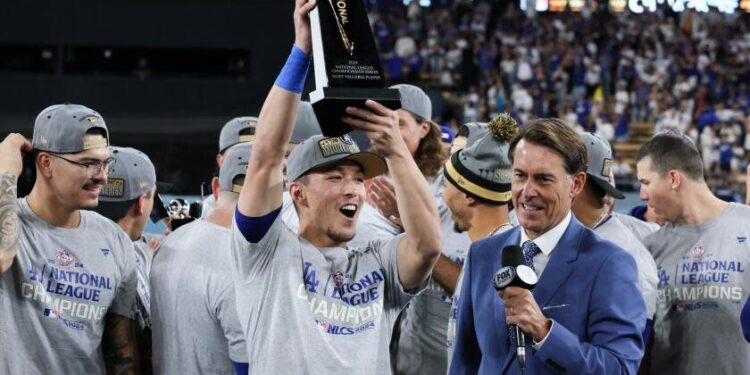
[{"x": 347, "y": 64}]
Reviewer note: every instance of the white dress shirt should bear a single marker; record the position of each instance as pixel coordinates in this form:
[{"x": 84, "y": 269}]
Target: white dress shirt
[{"x": 546, "y": 243}]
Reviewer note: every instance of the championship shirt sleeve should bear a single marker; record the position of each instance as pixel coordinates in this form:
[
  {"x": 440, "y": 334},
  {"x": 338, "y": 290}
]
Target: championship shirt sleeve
[
  {"x": 225, "y": 312},
  {"x": 250, "y": 258},
  {"x": 387, "y": 252},
  {"x": 124, "y": 303}
]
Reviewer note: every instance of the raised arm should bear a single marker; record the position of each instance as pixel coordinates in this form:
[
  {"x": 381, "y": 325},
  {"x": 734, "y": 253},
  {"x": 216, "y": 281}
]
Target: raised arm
[
  {"x": 11, "y": 164},
  {"x": 419, "y": 249},
  {"x": 261, "y": 194}
]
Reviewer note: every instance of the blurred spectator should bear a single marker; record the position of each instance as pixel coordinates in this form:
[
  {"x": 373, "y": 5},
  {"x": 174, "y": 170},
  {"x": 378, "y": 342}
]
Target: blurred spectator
[
  {"x": 622, "y": 170},
  {"x": 597, "y": 70}
]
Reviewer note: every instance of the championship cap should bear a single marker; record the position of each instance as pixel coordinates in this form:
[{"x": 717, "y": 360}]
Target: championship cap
[
  {"x": 237, "y": 130},
  {"x": 62, "y": 128},
  {"x": 415, "y": 100},
  {"x": 482, "y": 169},
  {"x": 600, "y": 163},
  {"x": 235, "y": 163},
  {"x": 319, "y": 152},
  {"x": 130, "y": 175}
]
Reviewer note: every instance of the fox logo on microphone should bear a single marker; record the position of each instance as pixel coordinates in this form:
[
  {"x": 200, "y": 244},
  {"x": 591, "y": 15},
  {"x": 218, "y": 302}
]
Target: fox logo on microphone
[{"x": 503, "y": 277}]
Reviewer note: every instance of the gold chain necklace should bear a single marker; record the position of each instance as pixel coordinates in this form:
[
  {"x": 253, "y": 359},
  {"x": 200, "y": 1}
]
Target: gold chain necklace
[{"x": 497, "y": 228}]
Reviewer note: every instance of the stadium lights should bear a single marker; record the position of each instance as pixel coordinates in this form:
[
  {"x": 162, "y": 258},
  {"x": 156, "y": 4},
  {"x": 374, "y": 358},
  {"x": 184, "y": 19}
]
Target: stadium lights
[{"x": 641, "y": 6}]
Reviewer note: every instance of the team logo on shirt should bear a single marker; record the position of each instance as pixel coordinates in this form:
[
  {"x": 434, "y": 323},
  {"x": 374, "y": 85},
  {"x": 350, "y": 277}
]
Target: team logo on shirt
[
  {"x": 52, "y": 313},
  {"x": 663, "y": 279},
  {"x": 698, "y": 252},
  {"x": 105, "y": 252},
  {"x": 65, "y": 258},
  {"x": 741, "y": 240}
]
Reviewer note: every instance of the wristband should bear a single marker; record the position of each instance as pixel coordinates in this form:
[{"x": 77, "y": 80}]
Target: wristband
[{"x": 294, "y": 73}]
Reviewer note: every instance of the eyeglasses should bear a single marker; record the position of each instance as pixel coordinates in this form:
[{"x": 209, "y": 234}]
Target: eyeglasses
[{"x": 92, "y": 167}]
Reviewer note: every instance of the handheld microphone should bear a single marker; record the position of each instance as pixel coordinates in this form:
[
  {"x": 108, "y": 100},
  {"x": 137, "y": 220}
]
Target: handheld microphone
[{"x": 515, "y": 272}]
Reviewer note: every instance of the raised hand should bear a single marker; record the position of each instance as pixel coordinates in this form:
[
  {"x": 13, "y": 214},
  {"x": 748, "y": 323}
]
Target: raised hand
[
  {"x": 381, "y": 126},
  {"x": 11, "y": 154},
  {"x": 303, "y": 35},
  {"x": 382, "y": 194}
]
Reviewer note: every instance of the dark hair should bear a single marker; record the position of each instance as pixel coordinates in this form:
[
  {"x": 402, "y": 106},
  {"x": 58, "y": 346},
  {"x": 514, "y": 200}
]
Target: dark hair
[
  {"x": 430, "y": 155},
  {"x": 556, "y": 135},
  {"x": 669, "y": 151},
  {"x": 463, "y": 131}
]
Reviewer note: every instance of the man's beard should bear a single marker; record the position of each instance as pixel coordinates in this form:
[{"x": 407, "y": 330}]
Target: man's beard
[{"x": 339, "y": 236}]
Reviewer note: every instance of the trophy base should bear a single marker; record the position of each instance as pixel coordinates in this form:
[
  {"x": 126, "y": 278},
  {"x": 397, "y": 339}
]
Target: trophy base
[{"x": 329, "y": 104}]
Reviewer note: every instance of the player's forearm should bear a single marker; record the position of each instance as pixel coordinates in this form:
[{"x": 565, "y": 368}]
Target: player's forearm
[
  {"x": 274, "y": 129},
  {"x": 9, "y": 223},
  {"x": 446, "y": 273},
  {"x": 416, "y": 205},
  {"x": 262, "y": 193},
  {"x": 119, "y": 346}
]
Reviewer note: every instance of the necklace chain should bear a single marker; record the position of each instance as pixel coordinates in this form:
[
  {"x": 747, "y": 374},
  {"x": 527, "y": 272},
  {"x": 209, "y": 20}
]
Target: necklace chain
[
  {"x": 497, "y": 228},
  {"x": 601, "y": 219}
]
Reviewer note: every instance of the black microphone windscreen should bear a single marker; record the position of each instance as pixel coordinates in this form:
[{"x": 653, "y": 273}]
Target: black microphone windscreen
[{"x": 512, "y": 256}]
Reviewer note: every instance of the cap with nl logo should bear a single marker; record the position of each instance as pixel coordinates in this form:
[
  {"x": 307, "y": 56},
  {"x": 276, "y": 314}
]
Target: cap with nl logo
[
  {"x": 237, "y": 130},
  {"x": 234, "y": 165},
  {"x": 319, "y": 152},
  {"x": 130, "y": 175},
  {"x": 600, "y": 163},
  {"x": 62, "y": 128}
]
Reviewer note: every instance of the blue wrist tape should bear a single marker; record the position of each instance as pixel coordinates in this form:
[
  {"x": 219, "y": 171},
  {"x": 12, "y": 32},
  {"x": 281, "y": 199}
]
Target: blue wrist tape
[{"x": 294, "y": 73}]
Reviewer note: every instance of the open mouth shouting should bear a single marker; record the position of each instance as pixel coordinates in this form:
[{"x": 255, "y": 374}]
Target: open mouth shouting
[{"x": 349, "y": 210}]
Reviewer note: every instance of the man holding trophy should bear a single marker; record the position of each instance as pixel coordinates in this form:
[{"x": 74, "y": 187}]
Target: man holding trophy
[{"x": 328, "y": 308}]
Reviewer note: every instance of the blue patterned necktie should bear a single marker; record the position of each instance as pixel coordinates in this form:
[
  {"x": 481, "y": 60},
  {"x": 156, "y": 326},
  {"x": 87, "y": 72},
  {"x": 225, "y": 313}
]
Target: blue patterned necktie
[{"x": 530, "y": 250}]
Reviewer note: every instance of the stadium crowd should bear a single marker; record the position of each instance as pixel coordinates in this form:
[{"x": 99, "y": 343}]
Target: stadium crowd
[{"x": 599, "y": 72}]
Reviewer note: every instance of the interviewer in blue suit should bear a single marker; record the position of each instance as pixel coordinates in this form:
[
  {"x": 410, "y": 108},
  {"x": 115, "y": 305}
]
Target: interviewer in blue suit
[{"x": 586, "y": 314}]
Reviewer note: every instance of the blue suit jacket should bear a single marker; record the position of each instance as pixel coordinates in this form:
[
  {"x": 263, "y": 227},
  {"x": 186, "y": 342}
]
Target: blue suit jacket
[{"x": 589, "y": 289}]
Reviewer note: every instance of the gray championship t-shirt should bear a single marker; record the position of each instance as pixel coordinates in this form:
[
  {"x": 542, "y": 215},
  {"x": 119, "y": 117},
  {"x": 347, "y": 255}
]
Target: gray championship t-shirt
[
  {"x": 640, "y": 228},
  {"x": 316, "y": 310},
  {"x": 143, "y": 257},
  {"x": 54, "y": 298},
  {"x": 614, "y": 230},
  {"x": 703, "y": 285},
  {"x": 421, "y": 347},
  {"x": 193, "y": 304}
]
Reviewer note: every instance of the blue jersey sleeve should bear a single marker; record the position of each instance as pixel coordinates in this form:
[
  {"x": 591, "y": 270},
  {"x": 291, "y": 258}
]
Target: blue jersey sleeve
[{"x": 255, "y": 228}]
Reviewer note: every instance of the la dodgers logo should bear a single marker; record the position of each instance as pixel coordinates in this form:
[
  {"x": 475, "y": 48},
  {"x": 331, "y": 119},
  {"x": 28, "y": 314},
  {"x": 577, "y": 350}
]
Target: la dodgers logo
[
  {"x": 663, "y": 279},
  {"x": 65, "y": 258}
]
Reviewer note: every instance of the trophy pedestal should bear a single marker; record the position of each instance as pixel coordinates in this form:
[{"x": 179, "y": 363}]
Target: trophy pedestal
[{"x": 330, "y": 105}]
